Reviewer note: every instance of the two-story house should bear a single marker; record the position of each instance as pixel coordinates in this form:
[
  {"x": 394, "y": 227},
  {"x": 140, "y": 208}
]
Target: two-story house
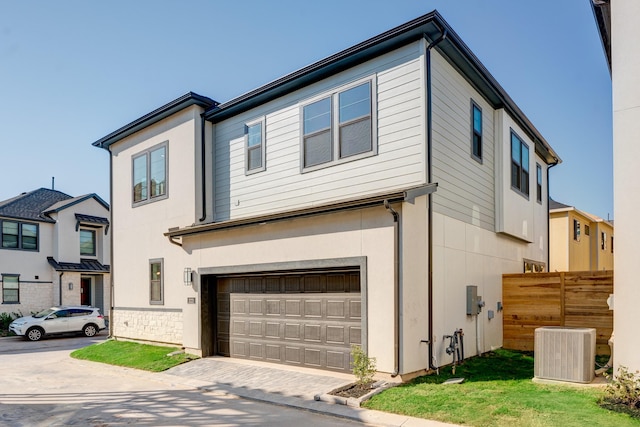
[
  {"x": 359, "y": 200},
  {"x": 54, "y": 250},
  {"x": 578, "y": 241}
]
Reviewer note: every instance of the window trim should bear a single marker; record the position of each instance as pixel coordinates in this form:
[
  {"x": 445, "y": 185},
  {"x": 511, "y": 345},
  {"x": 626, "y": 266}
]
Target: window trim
[
  {"x": 539, "y": 183},
  {"x": 519, "y": 190},
  {"x": 94, "y": 240},
  {"x": 263, "y": 144},
  {"x": 20, "y": 242},
  {"x": 476, "y": 157},
  {"x": 161, "y": 300},
  {"x": 17, "y": 276},
  {"x": 576, "y": 230},
  {"x": 147, "y": 154},
  {"x": 334, "y": 126}
]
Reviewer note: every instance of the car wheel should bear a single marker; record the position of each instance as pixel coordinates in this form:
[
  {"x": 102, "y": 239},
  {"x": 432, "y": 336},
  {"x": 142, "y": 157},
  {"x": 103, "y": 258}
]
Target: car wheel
[
  {"x": 90, "y": 330},
  {"x": 34, "y": 334}
]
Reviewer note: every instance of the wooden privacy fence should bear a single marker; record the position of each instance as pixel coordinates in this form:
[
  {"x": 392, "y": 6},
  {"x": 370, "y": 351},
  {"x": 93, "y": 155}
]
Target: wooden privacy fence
[{"x": 573, "y": 298}]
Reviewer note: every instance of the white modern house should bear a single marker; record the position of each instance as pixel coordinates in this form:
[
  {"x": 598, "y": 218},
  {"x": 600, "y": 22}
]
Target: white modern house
[
  {"x": 375, "y": 197},
  {"x": 618, "y": 26},
  {"x": 54, "y": 250}
]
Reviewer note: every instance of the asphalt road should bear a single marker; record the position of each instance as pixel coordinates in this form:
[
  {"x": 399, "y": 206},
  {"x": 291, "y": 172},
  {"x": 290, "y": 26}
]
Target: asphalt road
[{"x": 41, "y": 385}]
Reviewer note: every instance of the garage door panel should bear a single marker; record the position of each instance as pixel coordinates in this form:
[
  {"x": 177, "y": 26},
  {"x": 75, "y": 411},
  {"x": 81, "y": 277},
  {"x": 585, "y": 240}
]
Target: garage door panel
[{"x": 302, "y": 324}]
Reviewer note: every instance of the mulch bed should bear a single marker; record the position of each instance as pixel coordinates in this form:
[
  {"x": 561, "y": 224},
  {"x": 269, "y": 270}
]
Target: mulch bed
[{"x": 353, "y": 390}]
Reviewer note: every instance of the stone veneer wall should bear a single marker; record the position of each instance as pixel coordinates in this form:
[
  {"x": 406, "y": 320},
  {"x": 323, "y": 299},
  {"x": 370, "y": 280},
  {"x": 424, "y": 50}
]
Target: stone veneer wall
[
  {"x": 34, "y": 297},
  {"x": 148, "y": 324}
]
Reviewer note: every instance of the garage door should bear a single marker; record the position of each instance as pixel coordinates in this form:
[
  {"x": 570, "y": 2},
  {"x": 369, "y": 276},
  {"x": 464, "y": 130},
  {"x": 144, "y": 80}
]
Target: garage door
[{"x": 308, "y": 319}]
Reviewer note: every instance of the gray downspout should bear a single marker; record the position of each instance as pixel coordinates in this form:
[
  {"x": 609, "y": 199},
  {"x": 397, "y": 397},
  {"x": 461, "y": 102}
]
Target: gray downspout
[
  {"x": 111, "y": 287},
  {"x": 396, "y": 285},
  {"x": 60, "y": 287},
  {"x": 430, "y": 342},
  {"x": 203, "y": 165}
]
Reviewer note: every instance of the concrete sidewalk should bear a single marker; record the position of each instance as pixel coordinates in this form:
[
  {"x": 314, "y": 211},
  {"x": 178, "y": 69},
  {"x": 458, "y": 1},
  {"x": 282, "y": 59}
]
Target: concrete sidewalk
[{"x": 281, "y": 385}]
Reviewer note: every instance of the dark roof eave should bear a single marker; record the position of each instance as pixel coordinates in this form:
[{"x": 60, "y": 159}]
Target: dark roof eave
[
  {"x": 430, "y": 26},
  {"x": 155, "y": 116},
  {"x": 602, "y": 14},
  {"x": 359, "y": 203}
]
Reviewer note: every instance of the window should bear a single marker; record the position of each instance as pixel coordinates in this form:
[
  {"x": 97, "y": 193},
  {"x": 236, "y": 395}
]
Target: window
[
  {"x": 88, "y": 242},
  {"x": 255, "y": 147},
  {"x": 476, "y": 131},
  {"x": 156, "y": 281},
  {"x": 19, "y": 235},
  {"x": 519, "y": 165},
  {"x": 587, "y": 230},
  {"x": 10, "y": 289},
  {"x": 603, "y": 241},
  {"x": 534, "y": 266},
  {"x": 576, "y": 230},
  {"x": 150, "y": 174},
  {"x": 611, "y": 244},
  {"x": 338, "y": 126},
  {"x": 538, "y": 183}
]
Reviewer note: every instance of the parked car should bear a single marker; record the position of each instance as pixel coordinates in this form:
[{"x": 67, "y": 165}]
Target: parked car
[{"x": 59, "y": 320}]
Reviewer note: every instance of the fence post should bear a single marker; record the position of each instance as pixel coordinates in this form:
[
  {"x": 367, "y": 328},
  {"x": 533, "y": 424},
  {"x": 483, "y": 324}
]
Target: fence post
[{"x": 562, "y": 298}]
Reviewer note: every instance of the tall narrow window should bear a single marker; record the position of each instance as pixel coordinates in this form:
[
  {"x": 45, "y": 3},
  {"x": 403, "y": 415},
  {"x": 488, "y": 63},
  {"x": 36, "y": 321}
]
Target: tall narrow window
[
  {"x": 538, "y": 183},
  {"x": 156, "y": 281},
  {"x": 587, "y": 230},
  {"x": 88, "y": 242},
  {"x": 603, "y": 241},
  {"x": 150, "y": 174},
  {"x": 338, "y": 126},
  {"x": 255, "y": 147},
  {"x": 476, "y": 131},
  {"x": 10, "y": 289},
  {"x": 576, "y": 230},
  {"x": 611, "y": 244},
  {"x": 519, "y": 165}
]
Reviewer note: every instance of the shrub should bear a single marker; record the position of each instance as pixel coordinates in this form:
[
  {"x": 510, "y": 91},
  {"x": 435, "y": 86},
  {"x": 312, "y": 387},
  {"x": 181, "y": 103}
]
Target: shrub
[
  {"x": 364, "y": 367},
  {"x": 6, "y": 319},
  {"x": 624, "y": 389}
]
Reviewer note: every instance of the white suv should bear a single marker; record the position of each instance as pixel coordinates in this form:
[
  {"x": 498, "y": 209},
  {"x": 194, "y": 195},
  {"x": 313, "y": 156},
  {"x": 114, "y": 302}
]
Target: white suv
[{"x": 59, "y": 320}]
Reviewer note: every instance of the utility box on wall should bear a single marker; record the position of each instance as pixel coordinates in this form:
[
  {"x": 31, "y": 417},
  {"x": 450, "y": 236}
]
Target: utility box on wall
[{"x": 473, "y": 303}]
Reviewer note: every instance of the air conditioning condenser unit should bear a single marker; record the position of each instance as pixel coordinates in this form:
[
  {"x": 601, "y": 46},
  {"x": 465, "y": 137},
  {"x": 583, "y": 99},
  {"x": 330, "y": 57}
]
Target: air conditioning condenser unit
[{"x": 565, "y": 354}]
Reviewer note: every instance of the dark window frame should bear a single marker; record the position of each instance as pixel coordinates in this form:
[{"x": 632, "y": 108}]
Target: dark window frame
[
  {"x": 20, "y": 237},
  {"x": 538, "y": 183},
  {"x": 93, "y": 240},
  {"x": 146, "y": 155},
  {"x": 4, "y": 299},
  {"x": 335, "y": 125},
  {"x": 159, "y": 282},
  {"x": 603, "y": 240},
  {"x": 521, "y": 176},
  {"x": 587, "y": 230},
  {"x": 476, "y": 147},
  {"x": 576, "y": 230}
]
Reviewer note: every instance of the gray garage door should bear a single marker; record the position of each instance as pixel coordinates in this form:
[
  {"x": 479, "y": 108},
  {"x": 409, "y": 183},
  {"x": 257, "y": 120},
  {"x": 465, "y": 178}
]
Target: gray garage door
[{"x": 308, "y": 319}]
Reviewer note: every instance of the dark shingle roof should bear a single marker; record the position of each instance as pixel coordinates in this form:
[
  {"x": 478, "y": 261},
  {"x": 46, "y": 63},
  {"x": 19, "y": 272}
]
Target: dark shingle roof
[
  {"x": 557, "y": 205},
  {"x": 31, "y": 205},
  {"x": 85, "y": 266}
]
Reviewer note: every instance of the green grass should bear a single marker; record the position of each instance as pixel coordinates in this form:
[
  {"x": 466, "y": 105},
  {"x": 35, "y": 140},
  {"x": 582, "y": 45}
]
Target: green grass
[
  {"x": 498, "y": 391},
  {"x": 132, "y": 355}
]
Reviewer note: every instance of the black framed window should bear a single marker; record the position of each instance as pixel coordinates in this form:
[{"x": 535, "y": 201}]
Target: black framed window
[
  {"x": 603, "y": 241},
  {"x": 587, "y": 230},
  {"x": 88, "y": 242},
  {"x": 576, "y": 230},
  {"x": 538, "y": 183},
  {"x": 150, "y": 174},
  {"x": 10, "y": 289},
  {"x": 156, "y": 281},
  {"x": 519, "y": 165},
  {"x": 476, "y": 131},
  {"x": 19, "y": 235}
]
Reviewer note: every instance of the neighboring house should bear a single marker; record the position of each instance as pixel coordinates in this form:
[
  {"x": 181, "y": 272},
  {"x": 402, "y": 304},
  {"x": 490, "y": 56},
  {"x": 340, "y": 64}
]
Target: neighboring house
[
  {"x": 54, "y": 250},
  {"x": 350, "y": 202},
  {"x": 578, "y": 241},
  {"x": 618, "y": 25}
]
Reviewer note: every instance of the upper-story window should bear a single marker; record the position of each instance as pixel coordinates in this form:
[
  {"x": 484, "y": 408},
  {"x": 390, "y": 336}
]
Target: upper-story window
[
  {"x": 587, "y": 230},
  {"x": 338, "y": 126},
  {"x": 603, "y": 241},
  {"x": 255, "y": 146},
  {"x": 519, "y": 165},
  {"x": 150, "y": 174},
  {"x": 576, "y": 230},
  {"x": 538, "y": 183},
  {"x": 19, "y": 235},
  {"x": 88, "y": 242},
  {"x": 476, "y": 131}
]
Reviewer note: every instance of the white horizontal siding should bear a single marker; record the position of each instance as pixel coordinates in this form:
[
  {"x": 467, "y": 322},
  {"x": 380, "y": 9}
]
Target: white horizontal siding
[
  {"x": 399, "y": 163},
  {"x": 466, "y": 188}
]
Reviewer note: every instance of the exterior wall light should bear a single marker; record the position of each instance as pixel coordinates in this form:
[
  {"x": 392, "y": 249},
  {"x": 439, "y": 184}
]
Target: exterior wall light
[
  {"x": 70, "y": 286},
  {"x": 188, "y": 276}
]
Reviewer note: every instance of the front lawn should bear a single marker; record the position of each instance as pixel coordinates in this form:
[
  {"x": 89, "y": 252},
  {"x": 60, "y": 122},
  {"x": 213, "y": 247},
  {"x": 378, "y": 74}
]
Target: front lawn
[
  {"x": 498, "y": 391},
  {"x": 133, "y": 355}
]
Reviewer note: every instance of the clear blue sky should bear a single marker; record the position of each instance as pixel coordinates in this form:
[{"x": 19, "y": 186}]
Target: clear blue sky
[{"x": 73, "y": 71}]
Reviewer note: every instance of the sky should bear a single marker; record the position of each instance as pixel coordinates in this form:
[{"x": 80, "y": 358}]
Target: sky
[{"x": 72, "y": 72}]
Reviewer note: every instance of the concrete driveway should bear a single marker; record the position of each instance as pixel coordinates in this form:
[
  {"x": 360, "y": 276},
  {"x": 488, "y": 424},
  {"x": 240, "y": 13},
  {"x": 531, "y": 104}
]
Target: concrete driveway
[{"x": 42, "y": 386}]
